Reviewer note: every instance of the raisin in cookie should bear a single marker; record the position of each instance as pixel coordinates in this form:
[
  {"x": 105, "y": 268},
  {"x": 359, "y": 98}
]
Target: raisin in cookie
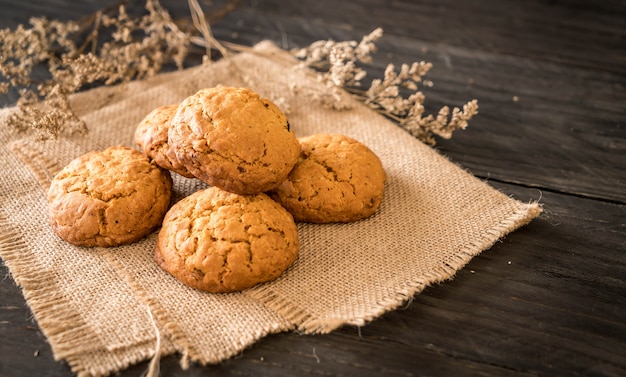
[
  {"x": 233, "y": 139},
  {"x": 151, "y": 136},
  {"x": 337, "y": 179},
  {"x": 217, "y": 241},
  {"x": 108, "y": 198}
]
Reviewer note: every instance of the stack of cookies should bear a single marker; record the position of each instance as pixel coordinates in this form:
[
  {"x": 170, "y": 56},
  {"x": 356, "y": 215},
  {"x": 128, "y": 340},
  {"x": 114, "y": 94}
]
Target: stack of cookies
[{"x": 239, "y": 232}]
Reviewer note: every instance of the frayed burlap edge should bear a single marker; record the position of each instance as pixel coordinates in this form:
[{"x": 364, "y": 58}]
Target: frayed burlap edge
[
  {"x": 308, "y": 324},
  {"x": 42, "y": 295},
  {"x": 62, "y": 325},
  {"x": 172, "y": 332}
]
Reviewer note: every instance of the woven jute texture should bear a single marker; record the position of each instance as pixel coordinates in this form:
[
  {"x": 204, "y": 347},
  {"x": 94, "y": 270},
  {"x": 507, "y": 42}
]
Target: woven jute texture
[{"x": 103, "y": 309}]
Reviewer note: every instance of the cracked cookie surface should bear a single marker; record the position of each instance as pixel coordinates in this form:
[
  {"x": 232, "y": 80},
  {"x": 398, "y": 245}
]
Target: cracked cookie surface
[
  {"x": 108, "y": 198},
  {"x": 151, "y": 136},
  {"x": 217, "y": 241},
  {"x": 336, "y": 179},
  {"x": 233, "y": 139}
]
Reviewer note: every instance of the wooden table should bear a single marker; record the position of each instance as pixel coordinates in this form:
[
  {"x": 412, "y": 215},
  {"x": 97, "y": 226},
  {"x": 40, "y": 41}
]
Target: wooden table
[{"x": 550, "y": 299}]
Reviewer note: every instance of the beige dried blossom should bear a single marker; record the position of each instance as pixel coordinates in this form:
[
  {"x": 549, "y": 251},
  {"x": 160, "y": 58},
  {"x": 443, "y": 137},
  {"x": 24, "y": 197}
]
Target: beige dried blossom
[
  {"x": 24, "y": 48},
  {"x": 340, "y": 58},
  {"x": 137, "y": 48},
  {"x": 338, "y": 63},
  {"x": 384, "y": 96},
  {"x": 48, "y": 118},
  {"x": 385, "y": 93},
  {"x": 319, "y": 52},
  {"x": 442, "y": 125}
]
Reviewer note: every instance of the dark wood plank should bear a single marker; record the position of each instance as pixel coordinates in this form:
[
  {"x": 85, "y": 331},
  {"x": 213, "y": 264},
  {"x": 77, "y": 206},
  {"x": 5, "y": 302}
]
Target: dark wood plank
[
  {"x": 542, "y": 122},
  {"x": 574, "y": 33}
]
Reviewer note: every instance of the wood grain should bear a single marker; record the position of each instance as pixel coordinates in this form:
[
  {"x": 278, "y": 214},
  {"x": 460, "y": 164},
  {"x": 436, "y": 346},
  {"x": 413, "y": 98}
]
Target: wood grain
[
  {"x": 550, "y": 77},
  {"x": 542, "y": 123}
]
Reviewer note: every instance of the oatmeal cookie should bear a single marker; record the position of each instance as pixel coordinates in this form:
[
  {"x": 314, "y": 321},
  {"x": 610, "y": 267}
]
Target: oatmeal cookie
[
  {"x": 233, "y": 139},
  {"x": 151, "y": 136},
  {"x": 337, "y": 179},
  {"x": 217, "y": 241},
  {"x": 108, "y": 198}
]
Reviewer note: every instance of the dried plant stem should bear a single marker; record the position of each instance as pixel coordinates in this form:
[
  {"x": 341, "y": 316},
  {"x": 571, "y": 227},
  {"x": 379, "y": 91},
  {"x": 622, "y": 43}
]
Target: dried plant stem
[
  {"x": 86, "y": 22},
  {"x": 44, "y": 105},
  {"x": 200, "y": 22},
  {"x": 211, "y": 17},
  {"x": 92, "y": 23},
  {"x": 135, "y": 48},
  {"x": 92, "y": 37}
]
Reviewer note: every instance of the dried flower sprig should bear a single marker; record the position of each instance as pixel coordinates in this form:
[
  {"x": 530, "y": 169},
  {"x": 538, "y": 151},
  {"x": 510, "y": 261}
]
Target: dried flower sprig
[
  {"x": 337, "y": 62},
  {"x": 21, "y": 51},
  {"x": 44, "y": 105},
  {"x": 384, "y": 96},
  {"x": 137, "y": 48},
  {"x": 340, "y": 58},
  {"x": 424, "y": 127}
]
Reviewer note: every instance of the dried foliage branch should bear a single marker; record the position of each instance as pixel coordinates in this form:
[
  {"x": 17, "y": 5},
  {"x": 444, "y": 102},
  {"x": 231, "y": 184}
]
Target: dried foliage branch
[
  {"x": 340, "y": 58},
  {"x": 338, "y": 61},
  {"x": 137, "y": 47}
]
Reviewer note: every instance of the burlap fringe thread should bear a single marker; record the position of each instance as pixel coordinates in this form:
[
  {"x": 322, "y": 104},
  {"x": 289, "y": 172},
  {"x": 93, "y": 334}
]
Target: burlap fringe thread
[{"x": 403, "y": 293}]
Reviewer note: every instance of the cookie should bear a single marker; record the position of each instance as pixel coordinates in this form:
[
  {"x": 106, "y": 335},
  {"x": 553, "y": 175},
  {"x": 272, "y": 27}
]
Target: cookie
[
  {"x": 217, "y": 241},
  {"x": 151, "y": 136},
  {"x": 108, "y": 198},
  {"x": 337, "y": 179},
  {"x": 233, "y": 139}
]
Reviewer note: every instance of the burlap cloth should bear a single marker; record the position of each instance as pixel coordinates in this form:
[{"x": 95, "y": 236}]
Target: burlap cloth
[{"x": 103, "y": 309}]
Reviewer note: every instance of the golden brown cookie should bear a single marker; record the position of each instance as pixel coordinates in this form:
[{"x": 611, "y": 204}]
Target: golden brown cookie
[
  {"x": 151, "y": 136},
  {"x": 108, "y": 198},
  {"x": 233, "y": 139},
  {"x": 337, "y": 179},
  {"x": 217, "y": 241}
]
